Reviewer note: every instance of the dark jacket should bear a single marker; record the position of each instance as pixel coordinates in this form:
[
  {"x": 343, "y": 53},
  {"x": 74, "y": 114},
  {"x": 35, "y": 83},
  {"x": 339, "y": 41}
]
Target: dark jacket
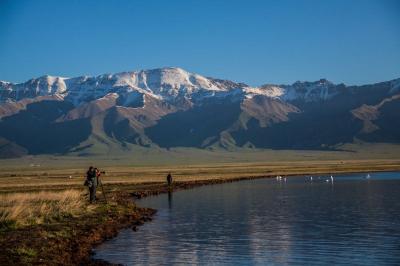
[{"x": 91, "y": 177}]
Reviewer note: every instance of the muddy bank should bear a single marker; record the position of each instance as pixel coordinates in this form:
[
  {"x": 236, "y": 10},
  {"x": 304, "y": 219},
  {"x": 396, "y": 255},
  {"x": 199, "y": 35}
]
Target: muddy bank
[{"x": 70, "y": 240}]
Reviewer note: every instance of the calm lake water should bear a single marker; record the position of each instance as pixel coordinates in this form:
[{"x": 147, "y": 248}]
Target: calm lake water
[{"x": 352, "y": 221}]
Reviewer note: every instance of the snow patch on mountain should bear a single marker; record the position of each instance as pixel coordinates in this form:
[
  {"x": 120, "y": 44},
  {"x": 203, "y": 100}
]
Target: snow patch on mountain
[
  {"x": 307, "y": 91},
  {"x": 395, "y": 86},
  {"x": 166, "y": 82},
  {"x": 268, "y": 90},
  {"x": 310, "y": 91},
  {"x": 46, "y": 85},
  {"x": 42, "y": 86}
]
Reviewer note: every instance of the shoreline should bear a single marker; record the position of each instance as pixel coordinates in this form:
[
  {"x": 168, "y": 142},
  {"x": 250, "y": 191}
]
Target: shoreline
[
  {"x": 72, "y": 239},
  {"x": 183, "y": 185}
]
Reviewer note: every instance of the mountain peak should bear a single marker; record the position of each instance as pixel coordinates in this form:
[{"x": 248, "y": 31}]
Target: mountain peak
[
  {"x": 322, "y": 81},
  {"x": 170, "y": 82}
]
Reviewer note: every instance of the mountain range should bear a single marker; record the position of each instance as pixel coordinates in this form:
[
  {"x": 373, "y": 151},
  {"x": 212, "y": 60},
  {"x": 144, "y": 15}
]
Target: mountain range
[{"x": 170, "y": 107}]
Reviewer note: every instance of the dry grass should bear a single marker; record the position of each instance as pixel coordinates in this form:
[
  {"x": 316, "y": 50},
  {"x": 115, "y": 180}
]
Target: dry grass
[{"x": 39, "y": 207}]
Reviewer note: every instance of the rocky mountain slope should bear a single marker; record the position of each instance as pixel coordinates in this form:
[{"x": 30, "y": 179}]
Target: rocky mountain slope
[{"x": 170, "y": 107}]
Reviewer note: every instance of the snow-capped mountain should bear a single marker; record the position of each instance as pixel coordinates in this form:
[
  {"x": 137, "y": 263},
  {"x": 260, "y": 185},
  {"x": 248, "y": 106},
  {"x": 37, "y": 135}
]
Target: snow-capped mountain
[
  {"x": 170, "y": 107},
  {"x": 165, "y": 84}
]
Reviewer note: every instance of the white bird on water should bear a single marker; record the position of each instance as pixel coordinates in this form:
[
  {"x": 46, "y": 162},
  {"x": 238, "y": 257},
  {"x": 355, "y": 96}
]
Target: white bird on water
[
  {"x": 329, "y": 180},
  {"x": 368, "y": 176},
  {"x": 311, "y": 178}
]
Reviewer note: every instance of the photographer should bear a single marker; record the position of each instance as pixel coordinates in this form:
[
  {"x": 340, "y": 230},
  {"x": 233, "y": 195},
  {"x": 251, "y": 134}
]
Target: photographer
[{"x": 91, "y": 182}]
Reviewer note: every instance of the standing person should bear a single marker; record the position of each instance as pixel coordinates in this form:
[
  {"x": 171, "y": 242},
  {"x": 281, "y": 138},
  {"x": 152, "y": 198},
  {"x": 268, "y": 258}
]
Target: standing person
[
  {"x": 169, "y": 179},
  {"x": 91, "y": 182}
]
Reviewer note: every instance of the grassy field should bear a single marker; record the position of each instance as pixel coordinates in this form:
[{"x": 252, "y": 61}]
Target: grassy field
[
  {"x": 55, "y": 179},
  {"x": 35, "y": 173}
]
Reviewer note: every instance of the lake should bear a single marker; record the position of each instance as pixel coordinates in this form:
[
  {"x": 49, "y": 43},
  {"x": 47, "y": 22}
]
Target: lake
[{"x": 352, "y": 220}]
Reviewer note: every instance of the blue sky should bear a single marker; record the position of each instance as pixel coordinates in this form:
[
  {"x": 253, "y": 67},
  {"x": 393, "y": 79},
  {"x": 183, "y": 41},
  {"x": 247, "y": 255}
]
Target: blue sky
[{"x": 256, "y": 42}]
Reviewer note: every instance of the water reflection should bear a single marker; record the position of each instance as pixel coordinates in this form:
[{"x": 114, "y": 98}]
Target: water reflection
[
  {"x": 170, "y": 198},
  {"x": 353, "y": 221}
]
